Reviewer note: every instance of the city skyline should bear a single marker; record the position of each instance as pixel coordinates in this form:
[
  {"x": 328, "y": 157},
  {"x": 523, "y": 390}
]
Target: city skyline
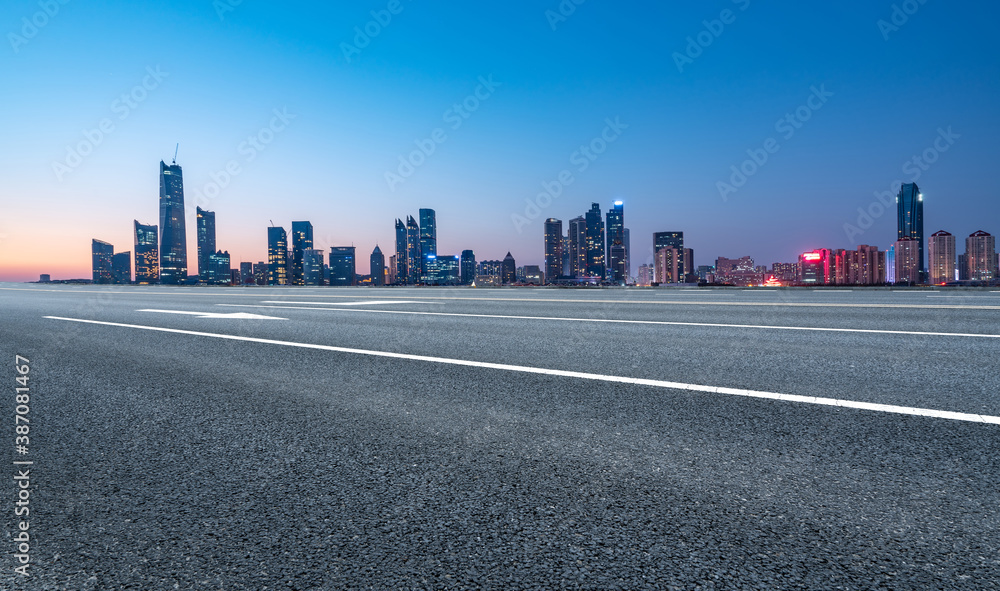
[{"x": 806, "y": 156}]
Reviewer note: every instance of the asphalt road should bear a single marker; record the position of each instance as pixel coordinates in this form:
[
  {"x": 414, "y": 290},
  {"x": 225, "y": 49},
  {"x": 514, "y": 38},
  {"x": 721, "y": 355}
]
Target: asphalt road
[{"x": 513, "y": 438}]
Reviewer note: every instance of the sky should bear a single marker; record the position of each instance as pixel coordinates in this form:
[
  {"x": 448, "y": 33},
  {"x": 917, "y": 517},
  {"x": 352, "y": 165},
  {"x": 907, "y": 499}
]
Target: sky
[{"x": 756, "y": 128}]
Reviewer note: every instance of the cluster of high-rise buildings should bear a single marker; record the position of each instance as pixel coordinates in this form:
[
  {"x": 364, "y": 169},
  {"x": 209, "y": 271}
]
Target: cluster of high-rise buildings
[{"x": 595, "y": 249}]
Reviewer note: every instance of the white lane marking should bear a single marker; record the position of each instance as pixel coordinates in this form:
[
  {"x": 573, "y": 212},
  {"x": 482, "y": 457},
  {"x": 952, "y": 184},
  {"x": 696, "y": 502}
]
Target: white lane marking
[
  {"x": 615, "y": 321},
  {"x": 965, "y": 296},
  {"x": 233, "y": 316},
  {"x": 371, "y": 303},
  {"x": 888, "y": 408}
]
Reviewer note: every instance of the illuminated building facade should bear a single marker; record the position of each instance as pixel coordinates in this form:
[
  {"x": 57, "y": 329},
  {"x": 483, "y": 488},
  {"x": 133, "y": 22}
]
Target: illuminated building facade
[
  {"x": 147, "y": 254},
  {"x": 615, "y": 255},
  {"x": 468, "y": 267},
  {"x": 428, "y": 236},
  {"x": 413, "y": 265},
  {"x": 121, "y": 268},
  {"x": 399, "y": 267},
  {"x": 577, "y": 240},
  {"x": 102, "y": 255},
  {"x": 313, "y": 269},
  {"x": 277, "y": 256},
  {"x": 302, "y": 240},
  {"x": 595, "y": 242},
  {"x": 941, "y": 257},
  {"x": 981, "y": 256},
  {"x": 907, "y": 260}
]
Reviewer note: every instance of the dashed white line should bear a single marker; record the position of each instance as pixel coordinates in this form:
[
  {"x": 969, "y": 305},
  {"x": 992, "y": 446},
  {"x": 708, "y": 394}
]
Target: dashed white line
[
  {"x": 319, "y": 306},
  {"x": 886, "y": 408}
]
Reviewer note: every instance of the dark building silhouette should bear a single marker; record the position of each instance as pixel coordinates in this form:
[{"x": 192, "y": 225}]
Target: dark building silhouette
[
  {"x": 595, "y": 242},
  {"x": 277, "y": 256},
  {"x": 342, "y": 269},
  {"x": 577, "y": 240},
  {"x": 400, "y": 258},
  {"x": 173, "y": 236},
  {"x": 246, "y": 274},
  {"x": 377, "y": 267},
  {"x": 102, "y": 255},
  {"x": 910, "y": 223},
  {"x": 553, "y": 249},
  {"x": 674, "y": 240},
  {"x": 206, "y": 244},
  {"x": 508, "y": 273},
  {"x": 220, "y": 270},
  {"x": 313, "y": 267},
  {"x": 302, "y": 239},
  {"x": 147, "y": 254},
  {"x": 121, "y": 268},
  {"x": 467, "y": 267}
]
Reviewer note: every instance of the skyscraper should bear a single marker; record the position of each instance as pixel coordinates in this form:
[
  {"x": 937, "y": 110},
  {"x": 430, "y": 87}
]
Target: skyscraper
[
  {"x": 400, "y": 273},
  {"x": 595, "y": 242},
  {"x": 377, "y": 267},
  {"x": 553, "y": 249},
  {"x": 615, "y": 255},
  {"x": 508, "y": 273},
  {"x": 468, "y": 267},
  {"x": 147, "y": 254},
  {"x": 220, "y": 269},
  {"x": 628, "y": 253},
  {"x": 941, "y": 257},
  {"x": 577, "y": 247},
  {"x": 428, "y": 237},
  {"x": 302, "y": 240},
  {"x": 413, "y": 266},
  {"x": 277, "y": 256},
  {"x": 312, "y": 267},
  {"x": 102, "y": 255},
  {"x": 173, "y": 236},
  {"x": 246, "y": 273},
  {"x": 674, "y": 240},
  {"x": 205, "y": 225},
  {"x": 342, "y": 269},
  {"x": 981, "y": 256},
  {"x": 907, "y": 260},
  {"x": 910, "y": 222},
  {"x": 121, "y": 268}
]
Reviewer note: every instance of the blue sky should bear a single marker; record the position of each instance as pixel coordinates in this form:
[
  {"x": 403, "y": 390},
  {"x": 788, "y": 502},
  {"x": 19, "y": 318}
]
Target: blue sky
[{"x": 225, "y": 68}]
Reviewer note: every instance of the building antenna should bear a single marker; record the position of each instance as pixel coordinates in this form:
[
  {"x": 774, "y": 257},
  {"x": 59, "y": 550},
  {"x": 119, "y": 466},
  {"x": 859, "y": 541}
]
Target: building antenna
[
  {"x": 175, "y": 152},
  {"x": 272, "y": 223}
]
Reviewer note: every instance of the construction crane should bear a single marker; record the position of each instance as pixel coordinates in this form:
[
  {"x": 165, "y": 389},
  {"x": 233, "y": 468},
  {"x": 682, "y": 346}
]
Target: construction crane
[{"x": 175, "y": 152}]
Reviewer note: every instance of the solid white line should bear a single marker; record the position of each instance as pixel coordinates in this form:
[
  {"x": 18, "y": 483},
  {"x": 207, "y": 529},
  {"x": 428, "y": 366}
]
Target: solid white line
[
  {"x": 888, "y": 408},
  {"x": 371, "y": 303},
  {"x": 615, "y": 321}
]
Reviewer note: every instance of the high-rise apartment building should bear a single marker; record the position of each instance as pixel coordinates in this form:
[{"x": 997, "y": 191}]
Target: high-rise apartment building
[
  {"x": 467, "y": 267},
  {"x": 981, "y": 256},
  {"x": 674, "y": 240},
  {"x": 941, "y": 257},
  {"x": 907, "y": 260}
]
